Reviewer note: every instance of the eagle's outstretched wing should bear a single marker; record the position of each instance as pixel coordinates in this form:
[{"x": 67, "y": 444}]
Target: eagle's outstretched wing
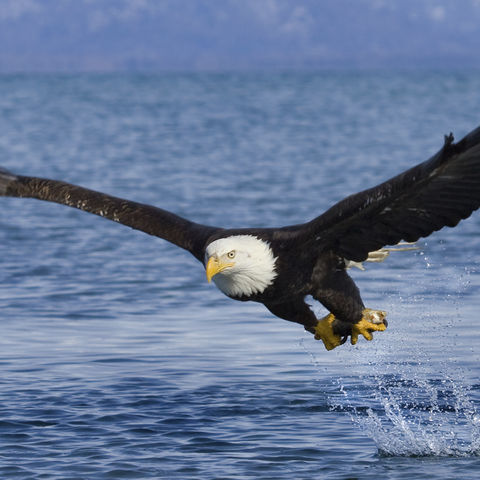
[
  {"x": 154, "y": 221},
  {"x": 437, "y": 193}
]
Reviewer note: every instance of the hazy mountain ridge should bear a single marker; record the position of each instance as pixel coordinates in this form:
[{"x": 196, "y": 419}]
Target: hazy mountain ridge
[{"x": 84, "y": 35}]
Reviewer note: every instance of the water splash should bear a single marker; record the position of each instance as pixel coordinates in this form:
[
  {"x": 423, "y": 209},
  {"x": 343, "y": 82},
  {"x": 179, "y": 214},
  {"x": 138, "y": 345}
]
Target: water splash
[
  {"x": 413, "y": 408},
  {"x": 411, "y": 397},
  {"x": 422, "y": 418}
]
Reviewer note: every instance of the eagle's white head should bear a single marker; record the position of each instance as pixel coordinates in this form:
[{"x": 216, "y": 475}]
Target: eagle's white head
[{"x": 240, "y": 265}]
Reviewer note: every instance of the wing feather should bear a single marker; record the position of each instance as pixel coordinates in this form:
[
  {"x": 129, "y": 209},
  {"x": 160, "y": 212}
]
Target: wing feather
[
  {"x": 437, "y": 193},
  {"x": 152, "y": 220}
]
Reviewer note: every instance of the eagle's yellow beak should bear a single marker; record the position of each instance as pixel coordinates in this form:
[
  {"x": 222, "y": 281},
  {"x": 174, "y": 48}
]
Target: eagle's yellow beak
[{"x": 214, "y": 266}]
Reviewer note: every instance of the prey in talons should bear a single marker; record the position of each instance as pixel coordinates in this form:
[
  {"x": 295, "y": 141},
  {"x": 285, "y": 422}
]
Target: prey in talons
[{"x": 334, "y": 332}]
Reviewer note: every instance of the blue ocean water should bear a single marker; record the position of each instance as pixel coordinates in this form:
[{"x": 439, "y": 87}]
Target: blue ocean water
[{"x": 118, "y": 360}]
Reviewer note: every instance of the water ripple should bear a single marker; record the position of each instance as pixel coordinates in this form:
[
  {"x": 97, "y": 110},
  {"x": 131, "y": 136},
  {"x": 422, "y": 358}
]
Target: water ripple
[{"x": 118, "y": 361}]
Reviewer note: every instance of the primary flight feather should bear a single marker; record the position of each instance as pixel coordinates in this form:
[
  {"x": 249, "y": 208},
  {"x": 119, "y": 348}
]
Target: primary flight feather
[{"x": 279, "y": 267}]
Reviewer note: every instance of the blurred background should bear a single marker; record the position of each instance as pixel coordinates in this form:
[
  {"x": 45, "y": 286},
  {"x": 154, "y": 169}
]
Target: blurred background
[{"x": 200, "y": 35}]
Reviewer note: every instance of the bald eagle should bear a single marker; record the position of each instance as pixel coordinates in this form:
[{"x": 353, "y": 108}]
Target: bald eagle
[{"x": 279, "y": 267}]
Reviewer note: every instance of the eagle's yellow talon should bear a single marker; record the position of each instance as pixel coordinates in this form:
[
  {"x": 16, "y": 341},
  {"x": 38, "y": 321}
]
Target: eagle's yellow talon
[
  {"x": 372, "y": 321},
  {"x": 324, "y": 332}
]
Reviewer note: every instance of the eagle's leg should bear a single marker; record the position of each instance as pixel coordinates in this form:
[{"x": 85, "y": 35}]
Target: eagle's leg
[
  {"x": 338, "y": 293},
  {"x": 298, "y": 311}
]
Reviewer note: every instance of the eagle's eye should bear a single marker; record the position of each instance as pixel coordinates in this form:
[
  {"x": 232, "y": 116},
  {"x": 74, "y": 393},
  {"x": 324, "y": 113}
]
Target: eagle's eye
[{"x": 231, "y": 254}]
